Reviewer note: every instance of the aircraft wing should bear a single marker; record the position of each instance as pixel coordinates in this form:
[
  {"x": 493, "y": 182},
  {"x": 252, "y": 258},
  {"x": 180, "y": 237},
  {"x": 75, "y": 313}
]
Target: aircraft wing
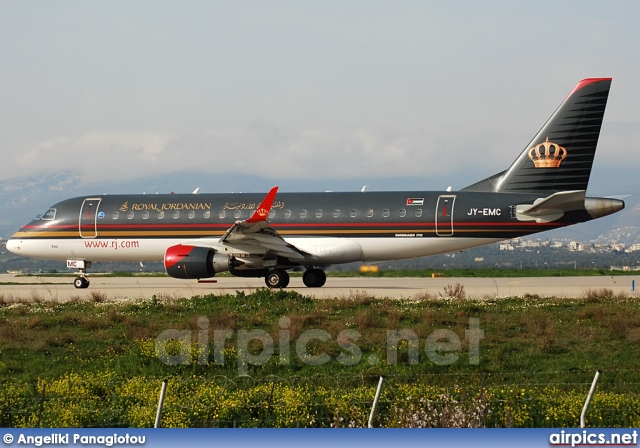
[{"x": 256, "y": 231}]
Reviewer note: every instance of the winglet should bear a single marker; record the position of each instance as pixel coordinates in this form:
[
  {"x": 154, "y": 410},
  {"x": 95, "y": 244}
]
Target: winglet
[{"x": 262, "y": 212}]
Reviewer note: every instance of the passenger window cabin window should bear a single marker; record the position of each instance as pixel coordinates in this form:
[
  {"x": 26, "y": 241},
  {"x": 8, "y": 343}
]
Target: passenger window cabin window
[
  {"x": 303, "y": 214},
  {"x": 272, "y": 214},
  {"x": 287, "y": 214},
  {"x": 336, "y": 213},
  {"x": 353, "y": 213},
  {"x": 237, "y": 214},
  {"x": 176, "y": 215},
  {"x": 402, "y": 213},
  {"x": 370, "y": 213},
  {"x": 145, "y": 215},
  {"x": 130, "y": 215},
  {"x": 318, "y": 214},
  {"x": 206, "y": 215},
  {"x": 192, "y": 214},
  {"x": 221, "y": 214},
  {"x": 385, "y": 213},
  {"x": 418, "y": 212},
  {"x": 115, "y": 215},
  {"x": 160, "y": 215}
]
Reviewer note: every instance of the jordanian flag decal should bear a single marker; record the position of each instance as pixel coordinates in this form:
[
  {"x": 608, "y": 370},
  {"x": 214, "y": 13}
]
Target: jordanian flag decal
[{"x": 415, "y": 201}]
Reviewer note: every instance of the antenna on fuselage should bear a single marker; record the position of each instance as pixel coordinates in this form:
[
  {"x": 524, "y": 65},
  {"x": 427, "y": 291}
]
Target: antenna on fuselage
[
  {"x": 196, "y": 190},
  {"x": 364, "y": 187}
]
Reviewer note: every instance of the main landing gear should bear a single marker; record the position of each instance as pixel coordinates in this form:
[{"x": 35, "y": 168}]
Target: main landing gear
[
  {"x": 314, "y": 278},
  {"x": 279, "y": 278}
]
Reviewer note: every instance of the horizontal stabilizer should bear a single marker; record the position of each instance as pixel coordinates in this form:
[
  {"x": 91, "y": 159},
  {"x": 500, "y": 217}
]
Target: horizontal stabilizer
[{"x": 552, "y": 207}]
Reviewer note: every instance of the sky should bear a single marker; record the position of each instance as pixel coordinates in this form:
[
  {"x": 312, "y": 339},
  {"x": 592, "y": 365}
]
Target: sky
[{"x": 306, "y": 89}]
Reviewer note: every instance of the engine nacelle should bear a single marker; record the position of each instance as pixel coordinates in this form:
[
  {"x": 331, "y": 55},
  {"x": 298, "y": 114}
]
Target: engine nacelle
[{"x": 194, "y": 262}]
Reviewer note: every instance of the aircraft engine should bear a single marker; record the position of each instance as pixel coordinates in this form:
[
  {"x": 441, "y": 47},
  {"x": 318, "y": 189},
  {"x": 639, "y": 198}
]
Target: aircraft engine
[{"x": 194, "y": 262}]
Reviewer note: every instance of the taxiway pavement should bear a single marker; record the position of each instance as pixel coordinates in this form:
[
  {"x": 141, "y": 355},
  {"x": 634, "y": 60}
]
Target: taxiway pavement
[{"x": 54, "y": 288}]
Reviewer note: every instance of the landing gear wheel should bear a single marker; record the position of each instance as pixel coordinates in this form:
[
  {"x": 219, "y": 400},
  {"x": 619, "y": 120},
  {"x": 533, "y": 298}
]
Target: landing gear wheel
[
  {"x": 314, "y": 278},
  {"x": 278, "y": 278},
  {"x": 81, "y": 282}
]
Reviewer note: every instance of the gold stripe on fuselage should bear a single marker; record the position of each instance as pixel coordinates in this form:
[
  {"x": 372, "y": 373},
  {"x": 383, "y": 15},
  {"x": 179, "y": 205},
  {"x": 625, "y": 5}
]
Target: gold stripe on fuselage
[{"x": 207, "y": 233}]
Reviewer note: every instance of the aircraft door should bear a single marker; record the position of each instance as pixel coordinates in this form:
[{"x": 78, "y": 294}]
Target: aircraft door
[
  {"x": 88, "y": 222},
  {"x": 444, "y": 215}
]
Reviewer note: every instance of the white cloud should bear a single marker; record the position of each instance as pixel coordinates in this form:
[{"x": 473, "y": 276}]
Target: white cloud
[
  {"x": 148, "y": 146},
  {"x": 98, "y": 155},
  {"x": 264, "y": 150}
]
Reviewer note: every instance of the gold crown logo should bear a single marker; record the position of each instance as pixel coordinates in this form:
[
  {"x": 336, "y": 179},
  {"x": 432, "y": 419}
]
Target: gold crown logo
[{"x": 548, "y": 159}]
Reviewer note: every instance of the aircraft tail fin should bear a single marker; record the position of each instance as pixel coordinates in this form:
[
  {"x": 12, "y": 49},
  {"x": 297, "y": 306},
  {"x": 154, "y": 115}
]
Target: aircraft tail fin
[{"x": 560, "y": 156}]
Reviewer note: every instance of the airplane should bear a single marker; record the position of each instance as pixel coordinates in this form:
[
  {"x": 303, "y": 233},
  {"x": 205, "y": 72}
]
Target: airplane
[{"x": 200, "y": 235}]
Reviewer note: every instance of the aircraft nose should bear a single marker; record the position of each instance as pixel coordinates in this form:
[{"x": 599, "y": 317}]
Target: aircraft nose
[{"x": 13, "y": 245}]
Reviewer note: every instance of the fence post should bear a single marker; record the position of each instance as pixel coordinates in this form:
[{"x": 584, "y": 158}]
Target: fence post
[
  {"x": 163, "y": 391},
  {"x": 266, "y": 415},
  {"x": 44, "y": 386},
  {"x": 372, "y": 415},
  {"x": 588, "y": 400}
]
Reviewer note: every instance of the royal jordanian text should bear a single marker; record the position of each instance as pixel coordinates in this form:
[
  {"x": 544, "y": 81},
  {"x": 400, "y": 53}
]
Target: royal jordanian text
[{"x": 172, "y": 206}]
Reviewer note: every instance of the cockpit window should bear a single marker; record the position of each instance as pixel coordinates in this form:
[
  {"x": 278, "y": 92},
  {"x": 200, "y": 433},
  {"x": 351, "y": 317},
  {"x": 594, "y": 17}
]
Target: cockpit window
[{"x": 49, "y": 215}]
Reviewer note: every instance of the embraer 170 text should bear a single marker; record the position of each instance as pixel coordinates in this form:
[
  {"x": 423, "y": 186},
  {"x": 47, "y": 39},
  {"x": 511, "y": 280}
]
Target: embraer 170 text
[{"x": 250, "y": 235}]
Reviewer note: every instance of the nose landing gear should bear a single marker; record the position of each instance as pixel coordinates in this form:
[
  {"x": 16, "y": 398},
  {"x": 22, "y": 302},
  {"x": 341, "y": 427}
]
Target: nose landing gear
[{"x": 81, "y": 281}]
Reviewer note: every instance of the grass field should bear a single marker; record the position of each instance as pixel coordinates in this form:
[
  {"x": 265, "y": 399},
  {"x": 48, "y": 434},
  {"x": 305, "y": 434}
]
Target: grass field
[{"x": 277, "y": 358}]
